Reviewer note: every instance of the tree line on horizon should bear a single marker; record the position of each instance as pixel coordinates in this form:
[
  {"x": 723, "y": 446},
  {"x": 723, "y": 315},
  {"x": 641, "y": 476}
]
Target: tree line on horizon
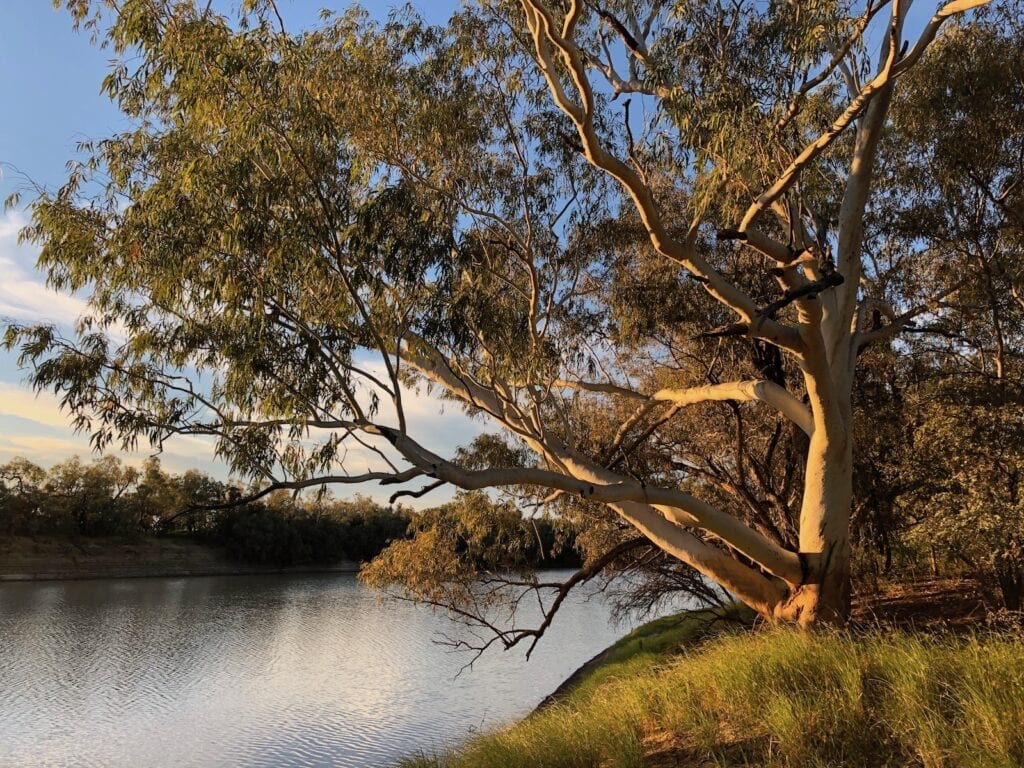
[{"x": 107, "y": 498}]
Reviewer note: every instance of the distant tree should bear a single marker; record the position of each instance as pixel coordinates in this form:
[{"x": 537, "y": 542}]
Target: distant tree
[
  {"x": 93, "y": 495},
  {"x": 154, "y": 495},
  {"x": 604, "y": 229},
  {"x": 22, "y": 506},
  {"x": 367, "y": 527},
  {"x": 200, "y": 495},
  {"x": 260, "y": 535}
]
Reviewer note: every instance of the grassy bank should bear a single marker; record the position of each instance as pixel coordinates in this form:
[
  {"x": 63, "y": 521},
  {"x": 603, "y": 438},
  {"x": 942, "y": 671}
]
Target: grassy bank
[{"x": 776, "y": 698}]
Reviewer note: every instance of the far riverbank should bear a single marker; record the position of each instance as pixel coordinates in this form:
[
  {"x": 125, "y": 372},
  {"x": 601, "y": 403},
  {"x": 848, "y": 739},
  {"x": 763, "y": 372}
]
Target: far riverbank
[{"x": 27, "y": 559}]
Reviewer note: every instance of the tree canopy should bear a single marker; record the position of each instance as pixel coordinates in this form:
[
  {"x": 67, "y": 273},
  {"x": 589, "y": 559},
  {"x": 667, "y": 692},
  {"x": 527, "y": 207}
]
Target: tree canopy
[{"x": 672, "y": 254}]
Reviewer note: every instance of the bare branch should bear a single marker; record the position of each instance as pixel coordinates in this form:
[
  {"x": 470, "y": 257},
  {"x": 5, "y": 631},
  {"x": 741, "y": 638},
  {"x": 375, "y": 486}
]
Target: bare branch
[
  {"x": 761, "y": 390},
  {"x": 902, "y": 322},
  {"x": 545, "y": 37},
  {"x": 416, "y": 494}
]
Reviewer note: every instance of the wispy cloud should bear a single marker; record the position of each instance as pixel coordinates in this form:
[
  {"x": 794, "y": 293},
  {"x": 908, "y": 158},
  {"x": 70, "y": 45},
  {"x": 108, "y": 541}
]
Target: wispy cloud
[
  {"x": 42, "y": 408},
  {"x": 23, "y": 292},
  {"x": 35, "y": 427}
]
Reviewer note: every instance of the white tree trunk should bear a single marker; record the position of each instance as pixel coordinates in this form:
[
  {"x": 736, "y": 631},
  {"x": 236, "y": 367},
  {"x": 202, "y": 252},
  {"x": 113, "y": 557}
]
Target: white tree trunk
[{"x": 823, "y": 596}]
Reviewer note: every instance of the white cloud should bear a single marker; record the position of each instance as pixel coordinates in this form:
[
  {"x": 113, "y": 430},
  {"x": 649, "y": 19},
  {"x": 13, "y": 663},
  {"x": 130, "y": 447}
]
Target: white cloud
[
  {"x": 439, "y": 425},
  {"x": 23, "y": 292},
  {"x": 43, "y": 408},
  {"x": 43, "y": 449},
  {"x": 47, "y": 451},
  {"x": 52, "y": 439}
]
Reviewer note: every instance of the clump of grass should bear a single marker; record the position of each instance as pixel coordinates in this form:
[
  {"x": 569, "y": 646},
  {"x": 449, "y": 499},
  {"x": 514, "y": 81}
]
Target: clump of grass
[
  {"x": 779, "y": 698},
  {"x": 649, "y": 645}
]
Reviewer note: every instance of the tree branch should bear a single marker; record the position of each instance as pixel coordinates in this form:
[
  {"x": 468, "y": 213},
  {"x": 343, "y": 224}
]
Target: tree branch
[{"x": 760, "y": 390}]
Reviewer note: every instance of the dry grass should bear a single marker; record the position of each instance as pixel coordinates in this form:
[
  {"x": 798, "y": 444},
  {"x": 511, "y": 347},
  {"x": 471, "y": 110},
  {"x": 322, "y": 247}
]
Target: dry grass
[{"x": 780, "y": 698}]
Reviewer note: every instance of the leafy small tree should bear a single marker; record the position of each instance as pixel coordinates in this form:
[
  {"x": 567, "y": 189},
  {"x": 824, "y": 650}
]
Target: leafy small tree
[
  {"x": 198, "y": 496},
  {"x": 93, "y": 495},
  {"x": 973, "y": 455},
  {"x": 367, "y": 527},
  {"x": 940, "y": 445}
]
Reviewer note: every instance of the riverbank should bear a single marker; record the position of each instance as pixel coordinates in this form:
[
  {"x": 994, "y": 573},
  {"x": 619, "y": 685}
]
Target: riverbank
[
  {"x": 26, "y": 559},
  {"x": 694, "y": 690}
]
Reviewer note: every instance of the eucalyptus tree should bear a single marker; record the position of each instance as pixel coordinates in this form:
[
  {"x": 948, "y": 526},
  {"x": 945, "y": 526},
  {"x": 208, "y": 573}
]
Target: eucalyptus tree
[{"x": 601, "y": 228}]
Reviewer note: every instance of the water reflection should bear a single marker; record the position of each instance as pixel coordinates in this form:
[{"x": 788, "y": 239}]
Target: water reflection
[{"x": 252, "y": 671}]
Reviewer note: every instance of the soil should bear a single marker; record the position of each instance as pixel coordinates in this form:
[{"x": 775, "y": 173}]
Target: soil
[{"x": 923, "y": 605}]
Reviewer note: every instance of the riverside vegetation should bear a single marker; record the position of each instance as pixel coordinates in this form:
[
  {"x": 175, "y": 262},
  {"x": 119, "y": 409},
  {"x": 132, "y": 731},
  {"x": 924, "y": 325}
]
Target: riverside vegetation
[
  {"x": 734, "y": 290},
  {"x": 683, "y": 692},
  {"x": 106, "y": 500}
]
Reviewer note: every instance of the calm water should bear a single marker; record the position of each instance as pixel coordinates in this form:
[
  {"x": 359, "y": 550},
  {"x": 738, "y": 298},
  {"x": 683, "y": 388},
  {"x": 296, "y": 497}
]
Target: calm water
[{"x": 253, "y": 671}]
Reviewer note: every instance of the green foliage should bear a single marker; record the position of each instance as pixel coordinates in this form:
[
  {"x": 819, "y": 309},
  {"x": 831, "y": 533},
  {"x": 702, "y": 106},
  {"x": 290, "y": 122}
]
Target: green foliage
[
  {"x": 456, "y": 545},
  {"x": 261, "y": 536},
  {"x": 72, "y": 498},
  {"x": 939, "y": 427},
  {"x": 367, "y": 528},
  {"x": 105, "y": 498},
  {"x": 296, "y": 222},
  {"x": 783, "y": 699},
  {"x": 972, "y": 464}
]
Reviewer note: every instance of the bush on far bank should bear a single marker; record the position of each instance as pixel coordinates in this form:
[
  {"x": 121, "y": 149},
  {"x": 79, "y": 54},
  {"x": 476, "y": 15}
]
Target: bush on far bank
[
  {"x": 270, "y": 535},
  {"x": 105, "y": 497}
]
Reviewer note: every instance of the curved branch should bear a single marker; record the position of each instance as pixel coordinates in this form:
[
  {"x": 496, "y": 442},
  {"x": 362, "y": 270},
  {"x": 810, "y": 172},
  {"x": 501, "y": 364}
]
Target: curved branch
[
  {"x": 607, "y": 487},
  {"x": 900, "y": 323},
  {"x": 837, "y": 57},
  {"x": 761, "y": 390},
  {"x": 384, "y": 478},
  {"x": 543, "y": 30},
  {"x": 581, "y": 576},
  {"x": 416, "y": 494},
  {"x": 767, "y": 392}
]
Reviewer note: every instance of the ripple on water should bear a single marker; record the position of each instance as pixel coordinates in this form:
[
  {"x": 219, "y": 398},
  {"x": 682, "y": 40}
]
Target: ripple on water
[{"x": 252, "y": 671}]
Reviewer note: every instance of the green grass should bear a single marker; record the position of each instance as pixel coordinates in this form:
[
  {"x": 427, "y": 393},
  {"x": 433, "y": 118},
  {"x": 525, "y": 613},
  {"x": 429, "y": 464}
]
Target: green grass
[
  {"x": 776, "y": 698},
  {"x": 649, "y": 645}
]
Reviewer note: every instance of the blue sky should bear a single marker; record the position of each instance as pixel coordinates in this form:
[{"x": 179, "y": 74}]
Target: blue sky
[{"x": 49, "y": 87}]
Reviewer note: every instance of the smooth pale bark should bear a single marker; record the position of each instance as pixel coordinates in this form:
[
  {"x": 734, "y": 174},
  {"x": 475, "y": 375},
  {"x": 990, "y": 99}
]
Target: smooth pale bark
[
  {"x": 750, "y": 390},
  {"x": 762, "y": 594},
  {"x": 591, "y": 481},
  {"x": 823, "y": 595},
  {"x": 810, "y": 587},
  {"x": 759, "y": 390},
  {"x": 824, "y": 341}
]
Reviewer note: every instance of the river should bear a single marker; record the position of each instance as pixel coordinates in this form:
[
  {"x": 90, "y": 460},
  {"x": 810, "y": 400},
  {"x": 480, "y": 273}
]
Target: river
[{"x": 275, "y": 671}]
